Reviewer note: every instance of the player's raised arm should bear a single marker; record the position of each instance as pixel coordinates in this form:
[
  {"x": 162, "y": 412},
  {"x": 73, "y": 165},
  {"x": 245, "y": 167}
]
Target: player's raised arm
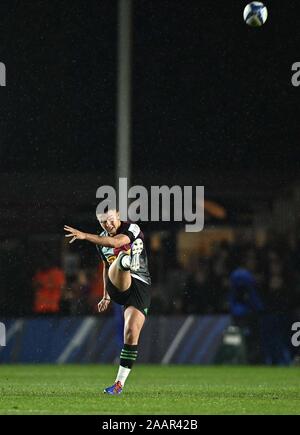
[
  {"x": 75, "y": 234},
  {"x": 109, "y": 241}
]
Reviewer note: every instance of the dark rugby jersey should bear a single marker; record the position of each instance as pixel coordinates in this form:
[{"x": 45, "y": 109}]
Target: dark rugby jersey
[{"x": 134, "y": 232}]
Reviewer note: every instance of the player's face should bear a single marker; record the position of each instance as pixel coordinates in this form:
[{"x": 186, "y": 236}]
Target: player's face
[{"x": 110, "y": 222}]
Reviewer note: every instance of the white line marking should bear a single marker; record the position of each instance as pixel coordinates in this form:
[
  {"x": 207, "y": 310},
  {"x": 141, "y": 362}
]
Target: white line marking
[
  {"x": 78, "y": 338},
  {"x": 16, "y": 327},
  {"x": 177, "y": 340}
]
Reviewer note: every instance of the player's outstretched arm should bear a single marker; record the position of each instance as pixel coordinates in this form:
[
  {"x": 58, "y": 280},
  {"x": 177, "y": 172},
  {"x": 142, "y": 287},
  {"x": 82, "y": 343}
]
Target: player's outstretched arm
[
  {"x": 111, "y": 242},
  {"x": 75, "y": 234}
]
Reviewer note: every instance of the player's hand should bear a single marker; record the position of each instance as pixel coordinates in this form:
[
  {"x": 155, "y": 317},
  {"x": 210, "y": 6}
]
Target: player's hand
[
  {"x": 103, "y": 304},
  {"x": 75, "y": 234}
]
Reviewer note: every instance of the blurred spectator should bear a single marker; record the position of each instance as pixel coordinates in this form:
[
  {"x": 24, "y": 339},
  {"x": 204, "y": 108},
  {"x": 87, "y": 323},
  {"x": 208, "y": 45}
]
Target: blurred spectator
[
  {"x": 246, "y": 306},
  {"x": 96, "y": 287},
  {"x": 75, "y": 295},
  {"x": 71, "y": 264},
  {"x": 48, "y": 283}
]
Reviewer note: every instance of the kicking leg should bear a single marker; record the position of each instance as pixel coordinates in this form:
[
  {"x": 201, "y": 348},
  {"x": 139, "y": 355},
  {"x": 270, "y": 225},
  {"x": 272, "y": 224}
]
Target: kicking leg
[
  {"x": 119, "y": 271},
  {"x": 118, "y": 274}
]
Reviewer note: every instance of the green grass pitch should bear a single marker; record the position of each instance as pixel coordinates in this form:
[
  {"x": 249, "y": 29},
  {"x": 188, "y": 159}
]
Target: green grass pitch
[{"x": 150, "y": 390}]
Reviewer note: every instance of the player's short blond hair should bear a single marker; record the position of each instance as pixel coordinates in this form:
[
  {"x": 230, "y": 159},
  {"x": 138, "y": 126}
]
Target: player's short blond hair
[{"x": 112, "y": 214}]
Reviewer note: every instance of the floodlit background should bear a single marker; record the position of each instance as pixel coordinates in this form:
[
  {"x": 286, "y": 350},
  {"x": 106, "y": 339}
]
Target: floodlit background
[{"x": 210, "y": 102}]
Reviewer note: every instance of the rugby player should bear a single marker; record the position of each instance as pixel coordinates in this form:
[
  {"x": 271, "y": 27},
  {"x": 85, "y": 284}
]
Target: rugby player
[{"x": 127, "y": 281}]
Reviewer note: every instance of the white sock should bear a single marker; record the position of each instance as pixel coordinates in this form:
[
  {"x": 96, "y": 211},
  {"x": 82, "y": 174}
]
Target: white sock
[
  {"x": 125, "y": 261},
  {"x": 122, "y": 375}
]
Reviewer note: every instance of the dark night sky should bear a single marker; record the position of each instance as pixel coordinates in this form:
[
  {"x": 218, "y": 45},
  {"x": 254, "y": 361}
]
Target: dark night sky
[
  {"x": 209, "y": 93},
  {"x": 213, "y": 104}
]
